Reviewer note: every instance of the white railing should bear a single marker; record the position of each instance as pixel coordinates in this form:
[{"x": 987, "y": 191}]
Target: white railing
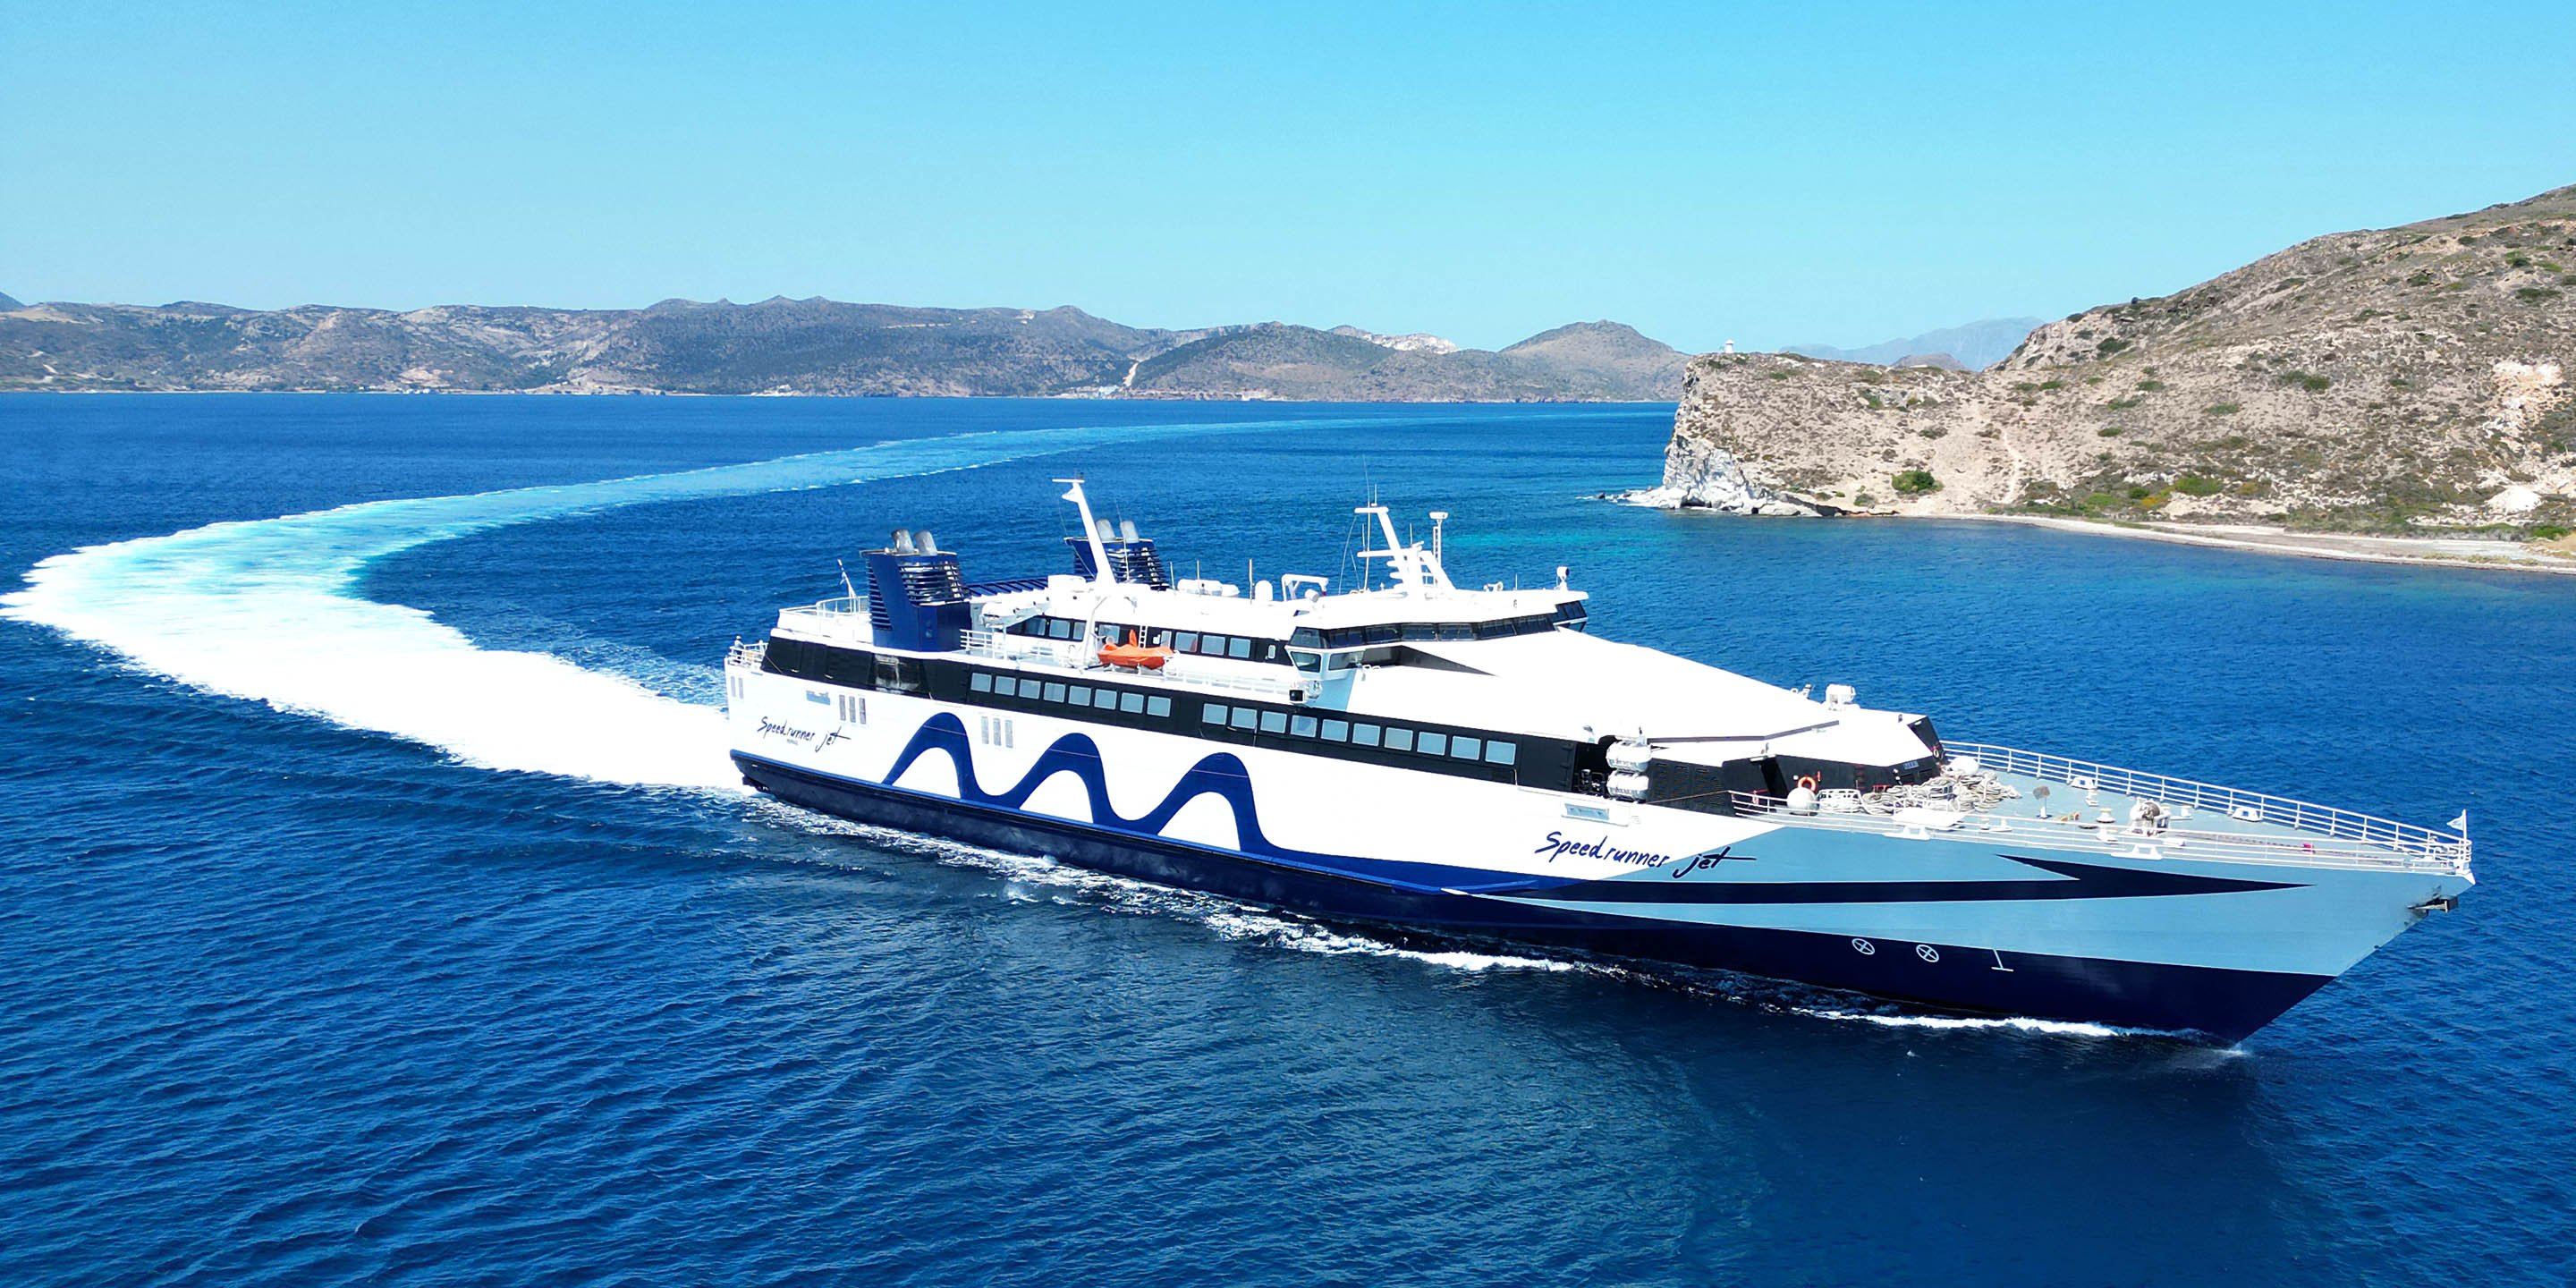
[
  {"x": 830, "y": 612},
  {"x": 747, "y": 653},
  {"x": 2302, "y": 816},
  {"x": 2114, "y": 839}
]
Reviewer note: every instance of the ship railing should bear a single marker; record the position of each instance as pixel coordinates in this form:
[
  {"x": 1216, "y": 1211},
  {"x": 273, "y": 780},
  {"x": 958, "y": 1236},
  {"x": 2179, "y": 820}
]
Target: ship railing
[
  {"x": 829, "y": 611},
  {"x": 747, "y": 653},
  {"x": 1068, "y": 656},
  {"x": 2126, "y": 840},
  {"x": 2116, "y": 839},
  {"x": 2304, "y": 817}
]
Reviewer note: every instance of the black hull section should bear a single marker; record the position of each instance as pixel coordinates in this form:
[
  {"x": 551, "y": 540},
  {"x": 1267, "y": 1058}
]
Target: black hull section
[{"x": 2225, "y": 1004}]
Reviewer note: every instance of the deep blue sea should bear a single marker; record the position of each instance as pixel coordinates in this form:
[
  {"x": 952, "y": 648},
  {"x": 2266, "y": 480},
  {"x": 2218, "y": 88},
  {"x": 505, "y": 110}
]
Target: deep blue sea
[{"x": 373, "y": 907}]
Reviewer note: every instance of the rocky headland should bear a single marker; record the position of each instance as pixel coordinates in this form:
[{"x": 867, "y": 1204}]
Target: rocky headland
[{"x": 2409, "y": 381}]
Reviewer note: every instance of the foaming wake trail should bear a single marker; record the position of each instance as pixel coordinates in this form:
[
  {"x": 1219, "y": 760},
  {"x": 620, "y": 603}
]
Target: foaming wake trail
[{"x": 268, "y": 610}]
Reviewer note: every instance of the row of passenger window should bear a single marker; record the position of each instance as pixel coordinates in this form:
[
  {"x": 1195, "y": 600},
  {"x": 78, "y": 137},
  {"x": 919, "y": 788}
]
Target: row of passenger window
[
  {"x": 1203, "y": 643},
  {"x": 1422, "y": 742},
  {"x": 1099, "y": 698},
  {"x": 1568, "y": 614}
]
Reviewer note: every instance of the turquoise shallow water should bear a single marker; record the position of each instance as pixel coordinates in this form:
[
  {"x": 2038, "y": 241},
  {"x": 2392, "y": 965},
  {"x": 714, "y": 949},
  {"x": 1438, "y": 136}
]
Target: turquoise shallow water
[{"x": 458, "y": 969}]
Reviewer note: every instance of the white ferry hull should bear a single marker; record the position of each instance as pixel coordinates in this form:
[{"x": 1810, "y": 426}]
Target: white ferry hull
[{"x": 1984, "y": 922}]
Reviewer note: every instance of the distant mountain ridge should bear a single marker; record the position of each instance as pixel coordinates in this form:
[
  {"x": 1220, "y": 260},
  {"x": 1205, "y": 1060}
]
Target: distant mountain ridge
[
  {"x": 811, "y": 346},
  {"x": 1975, "y": 346}
]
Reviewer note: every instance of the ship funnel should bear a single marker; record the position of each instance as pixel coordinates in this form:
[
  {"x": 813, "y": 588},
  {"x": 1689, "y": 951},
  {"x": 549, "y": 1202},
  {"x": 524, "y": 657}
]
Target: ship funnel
[
  {"x": 1126, "y": 529},
  {"x": 916, "y": 597}
]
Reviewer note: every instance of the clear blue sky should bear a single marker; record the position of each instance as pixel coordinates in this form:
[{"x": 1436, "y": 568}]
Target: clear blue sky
[{"x": 1806, "y": 172}]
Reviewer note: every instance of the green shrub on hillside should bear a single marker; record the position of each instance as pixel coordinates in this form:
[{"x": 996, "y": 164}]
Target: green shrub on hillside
[
  {"x": 2195, "y": 485},
  {"x": 1915, "y": 482},
  {"x": 2220, "y": 409}
]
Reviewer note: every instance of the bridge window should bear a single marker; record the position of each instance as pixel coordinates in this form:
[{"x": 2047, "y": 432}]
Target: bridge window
[
  {"x": 1105, "y": 699},
  {"x": 1158, "y": 706},
  {"x": 1302, "y": 726},
  {"x": 1081, "y": 694},
  {"x": 1132, "y": 703},
  {"x": 1337, "y": 731},
  {"x": 1212, "y": 713},
  {"x": 1055, "y": 693},
  {"x": 1364, "y": 735},
  {"x": 1186, "y": 642},
  {"x": 1434, "y": 744},
  {"x": 1274, "y": 722},
  {"x": 1238, "y": 646},
  {"x": 1245, "y": 718},
  {"x": 980, "y": 682},
  {"x": 1464, "y": 748},
  {"x": 1399, "y": 740},
  {"x": 1501, "y": 753}
]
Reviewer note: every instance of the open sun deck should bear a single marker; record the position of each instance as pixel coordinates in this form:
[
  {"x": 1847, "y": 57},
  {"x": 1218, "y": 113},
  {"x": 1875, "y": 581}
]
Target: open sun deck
[{"x": 2074, "y": 804}]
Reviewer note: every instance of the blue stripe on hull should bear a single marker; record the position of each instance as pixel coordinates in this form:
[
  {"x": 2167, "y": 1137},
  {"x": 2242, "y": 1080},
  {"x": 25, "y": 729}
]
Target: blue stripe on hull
[{"x": 2227, "y": 1004}]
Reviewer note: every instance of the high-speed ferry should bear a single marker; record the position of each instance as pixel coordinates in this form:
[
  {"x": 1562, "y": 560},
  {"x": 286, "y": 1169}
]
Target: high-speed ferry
[{"x": 1473, "y": 763}]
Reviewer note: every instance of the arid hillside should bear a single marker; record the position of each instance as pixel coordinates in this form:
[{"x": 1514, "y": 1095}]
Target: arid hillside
[{"x": 2388, "y": 380}]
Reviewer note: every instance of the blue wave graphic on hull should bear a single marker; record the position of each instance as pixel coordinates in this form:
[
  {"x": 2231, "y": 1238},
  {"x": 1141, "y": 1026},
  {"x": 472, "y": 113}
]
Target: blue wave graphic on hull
[{"x": 1221, "y": 774}]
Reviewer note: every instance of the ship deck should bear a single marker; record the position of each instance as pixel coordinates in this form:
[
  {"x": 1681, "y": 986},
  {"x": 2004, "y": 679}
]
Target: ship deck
[{"x": 2067, "y": 804}]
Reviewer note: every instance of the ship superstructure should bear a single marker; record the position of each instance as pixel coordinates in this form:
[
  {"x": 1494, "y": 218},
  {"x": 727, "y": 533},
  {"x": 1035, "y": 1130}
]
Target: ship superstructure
[{"x": 1473, "y": 762}]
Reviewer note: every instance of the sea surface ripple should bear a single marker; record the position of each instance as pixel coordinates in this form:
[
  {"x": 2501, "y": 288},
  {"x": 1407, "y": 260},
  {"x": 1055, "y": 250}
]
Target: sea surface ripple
[{"x": 525, "y": 990}]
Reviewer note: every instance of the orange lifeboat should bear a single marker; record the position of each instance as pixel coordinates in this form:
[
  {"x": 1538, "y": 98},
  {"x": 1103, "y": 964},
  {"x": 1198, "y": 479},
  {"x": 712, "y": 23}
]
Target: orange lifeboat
[{"x": 1134, "y": 654}]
